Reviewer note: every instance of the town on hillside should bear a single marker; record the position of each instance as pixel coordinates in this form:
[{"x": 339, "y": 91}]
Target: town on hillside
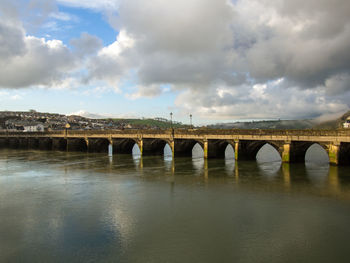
[{"x": 33, "y": 121}]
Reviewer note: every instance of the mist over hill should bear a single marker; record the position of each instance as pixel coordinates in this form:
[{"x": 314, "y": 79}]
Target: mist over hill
[
  {"x": 284, "y": 124},
  {"x": 333, "y": 124},
  {"x": 266, "y": 124}
]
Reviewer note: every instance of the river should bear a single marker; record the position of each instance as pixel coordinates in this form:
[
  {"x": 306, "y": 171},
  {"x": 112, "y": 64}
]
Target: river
[{"x": 84, "y": 207}]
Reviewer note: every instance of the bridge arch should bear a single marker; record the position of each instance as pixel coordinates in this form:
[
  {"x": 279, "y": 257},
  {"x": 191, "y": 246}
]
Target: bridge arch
[
  {"x": 13, "y": 143},
  {"x": 230, "y": 151},
  {"x": 197, "y": 151},
  {"x": 45, "y": 143},
  {"x": 184, "y": 147},
  {"x": 124, "y": 145},
  {"x": 168, "y": 150},
  {"x": 154, "y": 146},
  {"x": 248, "y": 150},
  {"x": 33, "y": 143},
  {"x": 97, "y": 145},
  {"x": 217, "y": 148},
  {"x": 268, "y": 153},
  {"x": 3, "y": 142},
  {"x": 316, "y": 153},
  {"x": 344, "y": 153},
  {"x": 59, "y": 144},
  {"x": 77, "y": 145},
  {"x": 299, "y": 149}
]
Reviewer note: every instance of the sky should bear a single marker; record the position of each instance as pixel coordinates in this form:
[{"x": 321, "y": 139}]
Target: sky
[{"x": 219, "y": 60}]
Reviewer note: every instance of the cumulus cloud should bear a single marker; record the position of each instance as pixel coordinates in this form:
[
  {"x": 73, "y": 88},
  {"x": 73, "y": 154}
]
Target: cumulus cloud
[
  {"x": 226, "y": 59},
  {"x": 112, "y": 62},
  {"x": 87, "y": 44},
  {"x": 26, "y": 60},
  {"x": 258, "y": 102},
  {"x": 41, "y": 62},
  {"x": 199, "y": 46}
]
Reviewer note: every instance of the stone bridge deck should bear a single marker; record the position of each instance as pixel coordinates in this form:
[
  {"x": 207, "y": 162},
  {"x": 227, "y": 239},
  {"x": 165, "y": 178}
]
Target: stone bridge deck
[{"x": 291, "y": 144}]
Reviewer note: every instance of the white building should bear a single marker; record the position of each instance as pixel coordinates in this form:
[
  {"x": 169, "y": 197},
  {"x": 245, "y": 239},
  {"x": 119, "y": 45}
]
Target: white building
[
  {"x": 346, "y": 124},
  {"x": 38, "y": 127}
]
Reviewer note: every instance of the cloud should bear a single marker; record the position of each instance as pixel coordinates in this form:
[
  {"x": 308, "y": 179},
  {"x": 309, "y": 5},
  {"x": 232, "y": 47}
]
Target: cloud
[
  {"x": 87, "y": 114},
  {"x": 198, "y": 47},
  {"x": 146, "y": 92},
  {"x": 25, "y": 60},
  {"x": 91, "y": 4},
  {"x": 338, "y": 84},
  {"x": 112, "y": 62},
  {"x": 6, "y": 96},
  {"x": 41, "y": 62},
  {"x": 242, "y": 59},
  {"x": 86, "y": 44},
  {"x": 270, "y": 100},
  {"x": 62, "y": 16},
  {"x": 11, "y": 40}
]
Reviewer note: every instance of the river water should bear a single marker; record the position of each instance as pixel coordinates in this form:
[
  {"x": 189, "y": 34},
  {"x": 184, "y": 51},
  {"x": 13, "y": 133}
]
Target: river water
[{"x": 79, "y": 207}]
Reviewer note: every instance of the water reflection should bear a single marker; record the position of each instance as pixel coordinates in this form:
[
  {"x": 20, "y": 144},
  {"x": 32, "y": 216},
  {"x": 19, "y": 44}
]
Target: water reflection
[
  {"x": 286, "y": 175},
  {"x": 78, "y": 207},
  {"x": 198, "y": 165},
  {"x": 269, "y": 169},
  {"x": 317, "y": 172},
  {"x": 230, "y": 165}
]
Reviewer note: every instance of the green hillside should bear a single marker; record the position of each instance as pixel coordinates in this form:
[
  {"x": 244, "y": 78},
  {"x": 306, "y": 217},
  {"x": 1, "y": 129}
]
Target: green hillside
[{"x": 147, "y": 123}]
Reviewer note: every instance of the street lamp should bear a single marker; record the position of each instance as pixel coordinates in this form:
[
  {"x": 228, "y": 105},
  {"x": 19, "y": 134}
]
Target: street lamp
[
  {"x": 66, "y": 128},
  {"x": 190, "y": 120},
  {"x": 171, "y": 119}
]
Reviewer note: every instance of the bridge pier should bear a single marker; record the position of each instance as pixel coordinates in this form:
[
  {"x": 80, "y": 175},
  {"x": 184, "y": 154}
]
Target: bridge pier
[
  {"x": 236, "y": 149},
  {"x": 333, "y": 153},
  {"x": 244, "y": 150},
  {"x": 286, "y": 152},
  {"x": 205, "y": 149},
  {"x": 87, "y": 143}
]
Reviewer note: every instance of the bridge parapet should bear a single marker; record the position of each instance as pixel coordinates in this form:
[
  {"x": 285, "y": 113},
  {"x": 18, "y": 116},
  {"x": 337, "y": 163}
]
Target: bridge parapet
[{"x": 194, "y": 132}]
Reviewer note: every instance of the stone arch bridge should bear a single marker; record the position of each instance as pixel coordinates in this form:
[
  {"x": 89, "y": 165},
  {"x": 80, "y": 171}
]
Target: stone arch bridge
[{"x": 290, "y": 144}]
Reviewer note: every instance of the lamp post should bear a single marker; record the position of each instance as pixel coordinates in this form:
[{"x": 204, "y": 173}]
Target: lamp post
[
  {"x": 66, "y": 128},
  {"x": 190, "y": 120},
  {"x": 171, "y": 119}
]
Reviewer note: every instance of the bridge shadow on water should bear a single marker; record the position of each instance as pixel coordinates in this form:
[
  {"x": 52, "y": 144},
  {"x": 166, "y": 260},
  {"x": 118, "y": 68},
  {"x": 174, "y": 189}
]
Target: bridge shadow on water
[{"x": 266, "y": 173}]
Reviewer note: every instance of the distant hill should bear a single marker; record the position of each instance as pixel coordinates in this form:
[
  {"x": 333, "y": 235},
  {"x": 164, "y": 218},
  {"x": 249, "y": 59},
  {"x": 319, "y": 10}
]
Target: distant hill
[
  {"x": 274, "y": 124},
  {"x": 151, "y": 123},
  {"x": 333, "y": 124}
]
